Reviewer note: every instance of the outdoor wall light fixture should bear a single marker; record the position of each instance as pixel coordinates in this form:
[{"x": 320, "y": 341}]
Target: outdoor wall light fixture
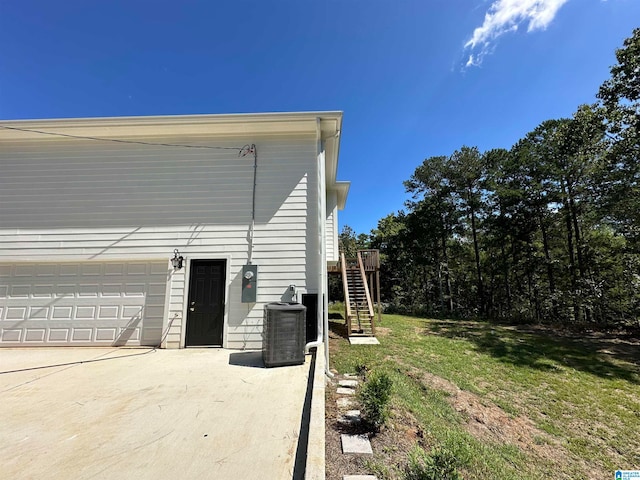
[{"x": 177, "y": 260}]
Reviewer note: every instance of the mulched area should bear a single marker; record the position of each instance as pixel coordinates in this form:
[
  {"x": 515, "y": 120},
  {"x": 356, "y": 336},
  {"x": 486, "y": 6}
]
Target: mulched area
[{"x": 390, "y": 446}]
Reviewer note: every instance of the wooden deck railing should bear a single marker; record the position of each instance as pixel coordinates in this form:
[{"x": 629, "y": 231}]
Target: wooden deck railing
[
  {"x": 370, "y": 259},
  {"x": 366, "y": 286},
  {"x": 345, "y": 287}
]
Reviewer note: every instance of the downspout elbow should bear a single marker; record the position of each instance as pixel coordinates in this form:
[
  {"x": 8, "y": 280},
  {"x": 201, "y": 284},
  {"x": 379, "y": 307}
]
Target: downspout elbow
[{"x": 315, "y": 344}]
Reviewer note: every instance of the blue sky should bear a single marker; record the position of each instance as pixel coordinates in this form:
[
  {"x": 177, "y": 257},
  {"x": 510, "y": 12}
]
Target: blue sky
[{"x": 415, "y": 78}]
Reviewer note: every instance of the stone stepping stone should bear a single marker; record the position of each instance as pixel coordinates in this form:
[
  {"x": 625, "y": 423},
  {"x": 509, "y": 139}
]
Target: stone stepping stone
[
  {"x": 345, "y": 391},
  {"x": 351, "y": 376},
  {"x": 352, "y": 416},
  {"x": 363, "y": 341},
  {"x": 359, "y": 477},
  {"x": 356, "y": 444},
  {"x": 348, "y": 383},
  {"x": 344, "y": 403}
]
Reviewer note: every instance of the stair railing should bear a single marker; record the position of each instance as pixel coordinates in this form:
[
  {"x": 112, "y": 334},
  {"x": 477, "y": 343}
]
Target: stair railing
[
  {"x": 366, "y": 287},
  {"x": 345, "y": 287}
]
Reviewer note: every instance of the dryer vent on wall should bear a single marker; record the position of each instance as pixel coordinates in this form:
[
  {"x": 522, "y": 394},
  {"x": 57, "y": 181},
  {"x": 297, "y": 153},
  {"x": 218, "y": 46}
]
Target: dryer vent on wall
[{"x": 283, "y": 337}]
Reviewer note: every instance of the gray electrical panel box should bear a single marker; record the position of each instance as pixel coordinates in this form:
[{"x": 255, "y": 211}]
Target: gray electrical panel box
[{"x": 249, "y": 282}]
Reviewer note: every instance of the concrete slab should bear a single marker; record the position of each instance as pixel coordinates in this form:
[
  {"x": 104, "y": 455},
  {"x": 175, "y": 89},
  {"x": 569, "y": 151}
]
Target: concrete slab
[
  {"x": 348, "y": 383},
  {"x": 350, "y": 376},
  {"x": 148, "y": 414},
  {"x": 359, "y": 477},
  {"x": 345, "y": 391},
  {"x": 363, "y": 341},
  {"x": 356, "y": 444}
]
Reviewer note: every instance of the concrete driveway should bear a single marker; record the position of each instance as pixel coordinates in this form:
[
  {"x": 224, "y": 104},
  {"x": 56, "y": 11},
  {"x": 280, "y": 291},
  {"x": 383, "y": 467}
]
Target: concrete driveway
[{"x": 148, "y": 414}]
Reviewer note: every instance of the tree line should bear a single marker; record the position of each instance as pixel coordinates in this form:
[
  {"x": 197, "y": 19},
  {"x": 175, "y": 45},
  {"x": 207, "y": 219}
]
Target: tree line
[{"x": 546, "y": 231}]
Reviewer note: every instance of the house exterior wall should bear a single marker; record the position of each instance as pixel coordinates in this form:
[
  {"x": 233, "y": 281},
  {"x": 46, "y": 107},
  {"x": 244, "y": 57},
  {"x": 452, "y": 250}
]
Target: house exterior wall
[{"x": 79, "y": 200}]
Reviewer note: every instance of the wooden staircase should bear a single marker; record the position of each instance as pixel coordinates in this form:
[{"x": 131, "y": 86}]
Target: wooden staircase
[{"x": 357, "y": 298}]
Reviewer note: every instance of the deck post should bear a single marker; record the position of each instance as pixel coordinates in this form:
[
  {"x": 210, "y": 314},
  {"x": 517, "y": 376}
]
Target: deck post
[{"x": 378, "y": 295}]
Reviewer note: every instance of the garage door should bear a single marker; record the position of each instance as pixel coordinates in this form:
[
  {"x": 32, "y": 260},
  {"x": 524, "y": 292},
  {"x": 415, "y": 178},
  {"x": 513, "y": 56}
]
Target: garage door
[{"x": 82, "y": 303}]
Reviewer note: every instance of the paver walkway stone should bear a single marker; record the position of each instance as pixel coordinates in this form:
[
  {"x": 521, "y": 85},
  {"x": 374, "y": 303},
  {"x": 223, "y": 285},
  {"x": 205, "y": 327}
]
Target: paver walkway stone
[
  {"x": 344, "y": 403},
  {"x": 363, "y": 341},
  {"x": 352, "y": 416},
  {"x": 348, "y": 383},
  {"x": 345, "y": 391},
  {"x": 356, "y": 444},
  {"x": 359, "y": 477}
]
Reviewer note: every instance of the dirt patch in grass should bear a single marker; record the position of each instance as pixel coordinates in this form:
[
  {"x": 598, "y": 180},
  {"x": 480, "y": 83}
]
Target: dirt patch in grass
[
  {"x": 382, "y": 331},
  {"x": 489, "y": 423},
  {"x": 337, "y": 329}
]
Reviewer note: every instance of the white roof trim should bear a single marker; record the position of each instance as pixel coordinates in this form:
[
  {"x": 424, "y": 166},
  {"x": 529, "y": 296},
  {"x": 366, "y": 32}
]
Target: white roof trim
[
  {"x": 223, "y": 125},
  {"x": 342, "y": 189}
]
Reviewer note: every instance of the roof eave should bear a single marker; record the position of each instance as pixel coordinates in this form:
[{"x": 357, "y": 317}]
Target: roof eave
[
  {"x": 219, "y": 124},
  {"x": 342, "y": 189}
]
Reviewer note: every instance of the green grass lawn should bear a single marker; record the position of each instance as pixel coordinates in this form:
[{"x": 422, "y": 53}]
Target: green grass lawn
[{"x": 542, "y": 404}]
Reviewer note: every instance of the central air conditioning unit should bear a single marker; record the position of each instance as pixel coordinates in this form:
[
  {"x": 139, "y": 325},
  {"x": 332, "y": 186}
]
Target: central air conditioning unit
[{"x": 284, "y": 334}]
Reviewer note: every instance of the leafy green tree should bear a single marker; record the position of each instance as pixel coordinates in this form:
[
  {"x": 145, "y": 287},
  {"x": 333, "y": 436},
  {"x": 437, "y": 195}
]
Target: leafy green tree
[
  {"x": 350, "y": 242},
  {"x": 467, "y": 171},
  {"x": 395, "y": 260},
  {"x": 451, "y": 188},
  {"x": 434, "y": 207},
  {"x": 620, "y": 98}
]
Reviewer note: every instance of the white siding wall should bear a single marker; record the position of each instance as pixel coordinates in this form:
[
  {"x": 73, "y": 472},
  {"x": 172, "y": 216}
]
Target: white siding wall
[
  {"x": 85, "y": 200},
  {"x": 333, "y": 253}
]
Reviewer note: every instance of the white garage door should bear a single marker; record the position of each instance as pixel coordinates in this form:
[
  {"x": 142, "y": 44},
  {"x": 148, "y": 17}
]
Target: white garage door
[{"x": 82, "y": 303}]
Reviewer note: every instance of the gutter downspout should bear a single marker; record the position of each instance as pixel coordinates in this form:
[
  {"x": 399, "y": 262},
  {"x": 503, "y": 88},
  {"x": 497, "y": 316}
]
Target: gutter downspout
[
  {"x": 323, "y": 249},
  {"x": 319, "y": 158},
  {"x": 323, "y": 301}
]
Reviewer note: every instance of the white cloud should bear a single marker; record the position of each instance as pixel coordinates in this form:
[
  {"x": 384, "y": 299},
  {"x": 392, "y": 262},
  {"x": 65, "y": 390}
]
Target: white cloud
[{"x": 506, "y": 16}]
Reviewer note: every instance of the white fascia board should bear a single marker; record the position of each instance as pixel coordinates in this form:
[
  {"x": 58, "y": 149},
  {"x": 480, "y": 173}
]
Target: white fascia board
[
  {"x": 342, "y": 189},
  {"x": 331, "y": 132},
  {"x": 331, "y": 137},
  {"x": 216, "y": 125}
]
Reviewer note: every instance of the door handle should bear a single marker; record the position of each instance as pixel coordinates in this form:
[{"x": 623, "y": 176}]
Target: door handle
[{"x": 192, "y": 309}]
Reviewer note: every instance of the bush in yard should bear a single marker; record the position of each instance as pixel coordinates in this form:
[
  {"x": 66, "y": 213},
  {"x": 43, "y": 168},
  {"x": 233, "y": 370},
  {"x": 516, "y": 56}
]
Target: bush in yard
[
  {"x": 374, "y": 398},
  {"x": 439, "y": 464}
]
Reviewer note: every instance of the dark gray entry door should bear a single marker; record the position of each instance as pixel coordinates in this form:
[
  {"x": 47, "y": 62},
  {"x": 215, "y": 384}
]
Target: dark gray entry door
[{"x": 205, "y": 314}]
